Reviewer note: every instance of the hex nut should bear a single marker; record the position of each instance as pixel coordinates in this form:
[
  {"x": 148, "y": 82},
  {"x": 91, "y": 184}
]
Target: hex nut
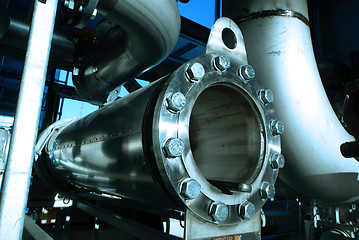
[
  {"x": 173, "y": 147},
  {"x": 267, "y": 190},
  {"x": 277, "y": 127},
  {"x": 176, "y": 102},
  {"x": 266, "y": 96},
  {"x": 195, "y": 72},
  {"x": 246, "y": 210},
  {"x": 221, "y": 63},
  {"x": 218, "y": 211},
  {"x": 277, "y": 161},
  {"x": 246, "y": 72},
  {"x": 190, "y": 189}
]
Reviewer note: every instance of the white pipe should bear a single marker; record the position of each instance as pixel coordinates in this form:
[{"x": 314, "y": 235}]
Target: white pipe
[{"x": 280, "y": 49}]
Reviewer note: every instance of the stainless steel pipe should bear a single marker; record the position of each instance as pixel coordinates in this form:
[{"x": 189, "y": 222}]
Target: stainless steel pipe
[
  {"x": 151, "y": 29},
  {"x": 199, "y": 139},
  {"x": 280, "y": 48}
]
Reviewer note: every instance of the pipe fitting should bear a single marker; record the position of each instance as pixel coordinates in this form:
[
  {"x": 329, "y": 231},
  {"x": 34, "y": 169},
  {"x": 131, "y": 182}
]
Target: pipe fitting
[
  {"x": 267, "y": 190},
  {"x": 246, "y": 210},
  {"x": 190, "y": 188},
  {"x": 173, "y": 147},
  {"x": 266, "y": 96},
  {"x": 246, "y": 73},
  {"x": 218, "y": 211},
  {"x": 277, "y": 127},
  {"x": 195, "y": 72},
  {"x": 176, "y": 102},
  {"x": 277, "y": 161},
  {"x": 221, "y": 63}
]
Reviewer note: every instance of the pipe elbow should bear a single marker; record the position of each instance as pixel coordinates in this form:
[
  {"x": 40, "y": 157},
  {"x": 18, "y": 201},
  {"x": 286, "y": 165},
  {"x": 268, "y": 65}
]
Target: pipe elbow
[{"x": 151, "y": 31}]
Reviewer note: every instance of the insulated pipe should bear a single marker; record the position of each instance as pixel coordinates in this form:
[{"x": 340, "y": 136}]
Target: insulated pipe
[
  {"x": 151, "y": 29},
  {"x": 279, "y": 46}
]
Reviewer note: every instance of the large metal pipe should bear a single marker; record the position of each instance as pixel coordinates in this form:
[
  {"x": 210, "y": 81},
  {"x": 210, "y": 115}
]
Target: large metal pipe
[
  {"x": 201, "y": 138},
  {"x": 279, "y": 46},
  {"x": 151, "y": 29}
]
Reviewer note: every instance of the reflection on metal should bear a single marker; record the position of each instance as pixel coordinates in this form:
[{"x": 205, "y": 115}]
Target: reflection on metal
[
  {"x": 16, "y": 181},
  {"x": 139, "y": 34},
  {"x": 244, "y": 8},
  {"x": 4, "y": 149},
  {"x": 204, "y": 139},
  {"x": 278, "y": 12},
  {"x": 280, "y": 49}
]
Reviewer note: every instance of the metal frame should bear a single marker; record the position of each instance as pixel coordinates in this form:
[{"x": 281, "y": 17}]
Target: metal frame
[{"x": 18, "y": 170}]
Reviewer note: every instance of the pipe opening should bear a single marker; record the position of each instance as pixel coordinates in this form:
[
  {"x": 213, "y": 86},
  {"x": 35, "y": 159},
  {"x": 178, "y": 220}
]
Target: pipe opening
[{"x": 226, "y": 137}]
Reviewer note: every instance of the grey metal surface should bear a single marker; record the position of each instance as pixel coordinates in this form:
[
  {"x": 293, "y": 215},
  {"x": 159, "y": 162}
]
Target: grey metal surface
[
  {"x": 4, "y": 149},
  {"x": 196, "y": 229},
  {"x": 280, "y": 49},
  {"x": 36, "y": 232},
  {"x": 151, "y": 29},
  {"x": 16, "y": 182}
]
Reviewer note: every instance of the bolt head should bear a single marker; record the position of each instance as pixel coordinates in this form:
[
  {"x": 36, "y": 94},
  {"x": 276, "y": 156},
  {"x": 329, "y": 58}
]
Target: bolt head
[
  {"x": 70, "y": 4},
  {"x": 266, "y": 96},
  {"x": 195, "y": 72},
  {"x": 247, "y": 72},
  {"x": 267, "y": 190},
  {"x": 218, "y": 211},
  {"x": 221, "y": 63},
  {"x": 277, "y": 127},
  {"x": 246, "y": 210},
  {"x": 190, "y": 188},
  {"x": 173, "y": 147},
  {"x": 277, "y": 161},
  {"x": 176, "y": 102}
]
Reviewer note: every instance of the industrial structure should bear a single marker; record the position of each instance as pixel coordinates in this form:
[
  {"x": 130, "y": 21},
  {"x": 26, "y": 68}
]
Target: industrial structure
[{"x": 245, "y": 130}]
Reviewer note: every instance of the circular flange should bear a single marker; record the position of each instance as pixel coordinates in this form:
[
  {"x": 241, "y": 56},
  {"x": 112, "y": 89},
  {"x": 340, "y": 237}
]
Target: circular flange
[{"x": 227, "y": 136}]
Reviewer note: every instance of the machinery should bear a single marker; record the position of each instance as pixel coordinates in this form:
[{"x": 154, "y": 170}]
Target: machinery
[{"x": 203, "y": 143}]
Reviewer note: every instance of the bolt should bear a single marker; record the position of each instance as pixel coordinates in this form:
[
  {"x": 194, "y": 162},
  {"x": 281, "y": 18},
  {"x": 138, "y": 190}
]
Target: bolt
[
  {"x": 70, "y": 4},
  {"x": 75, "y": 71},
  {"x": 195, "y": 72},
  {"x": 246, "y": 72},
  {"x": 94, "y": 14},
  {"x": 267, "y": 190},
  {"x": 221, "y": 63},
  {"x": 277, "y": 161},
  {"x": 173, "y": 147},
  {"x": 176, "y": 102},
  {"x": 190, "y": 188},
  {"x": 218, "y": 211},
  {"x": 277, "y": 127},
  {"x": 246, "y": 210},
  {"x": 266, "y": 96}
]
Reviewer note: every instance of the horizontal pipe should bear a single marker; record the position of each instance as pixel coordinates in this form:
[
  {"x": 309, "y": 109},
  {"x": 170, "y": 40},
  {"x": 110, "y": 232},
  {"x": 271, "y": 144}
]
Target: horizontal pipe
[
  {"x": 280, "y": 49},
  {"x": 151, "y": 31}
]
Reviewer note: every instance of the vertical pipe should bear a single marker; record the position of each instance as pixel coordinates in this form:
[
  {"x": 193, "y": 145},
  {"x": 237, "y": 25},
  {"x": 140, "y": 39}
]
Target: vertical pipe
[{"x": 16, "y": 182}]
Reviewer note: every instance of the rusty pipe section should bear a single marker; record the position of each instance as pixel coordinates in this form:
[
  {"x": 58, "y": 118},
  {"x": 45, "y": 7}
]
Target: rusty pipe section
[
  {"x": 150, "y": 30},
  {"x": 279, "y": 46}
]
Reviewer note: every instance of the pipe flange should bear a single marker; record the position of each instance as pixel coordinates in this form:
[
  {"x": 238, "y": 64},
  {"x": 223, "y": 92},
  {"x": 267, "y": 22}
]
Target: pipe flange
[{"x": 220, "y": 110}]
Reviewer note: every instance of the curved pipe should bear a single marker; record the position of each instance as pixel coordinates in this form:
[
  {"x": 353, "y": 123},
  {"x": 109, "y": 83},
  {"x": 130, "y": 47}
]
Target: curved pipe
[
  {"x": 280, "y": 49},
  {"x": 152, "y": 29}
]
